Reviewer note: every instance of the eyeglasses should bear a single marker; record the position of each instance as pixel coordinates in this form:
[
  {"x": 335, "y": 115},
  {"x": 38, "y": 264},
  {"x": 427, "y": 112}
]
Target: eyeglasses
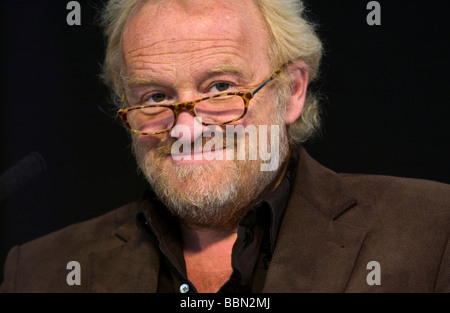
[{"x": 219, "y": 109}]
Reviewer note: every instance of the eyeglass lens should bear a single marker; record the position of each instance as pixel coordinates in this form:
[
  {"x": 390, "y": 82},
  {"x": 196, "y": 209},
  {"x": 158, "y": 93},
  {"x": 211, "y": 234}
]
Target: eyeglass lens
[{"x": 212, "y": 111}]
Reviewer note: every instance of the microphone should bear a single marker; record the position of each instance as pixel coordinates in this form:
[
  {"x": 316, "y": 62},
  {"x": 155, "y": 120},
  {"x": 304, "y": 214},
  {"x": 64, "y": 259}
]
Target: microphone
[{"x": 22, "y": 172}]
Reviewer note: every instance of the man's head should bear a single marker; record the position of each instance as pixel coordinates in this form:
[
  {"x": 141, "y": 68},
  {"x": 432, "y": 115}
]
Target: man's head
[{"x": 162, "y": 52}]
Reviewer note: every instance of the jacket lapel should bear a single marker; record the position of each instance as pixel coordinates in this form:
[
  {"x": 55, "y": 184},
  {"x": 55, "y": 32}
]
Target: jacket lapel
[
  {"x": 130, "y": 267},
  {"x": 315, "y": 252}
]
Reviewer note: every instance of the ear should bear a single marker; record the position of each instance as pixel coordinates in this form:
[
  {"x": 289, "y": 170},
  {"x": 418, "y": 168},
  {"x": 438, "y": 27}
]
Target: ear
[{"x": 299, "y": 73}]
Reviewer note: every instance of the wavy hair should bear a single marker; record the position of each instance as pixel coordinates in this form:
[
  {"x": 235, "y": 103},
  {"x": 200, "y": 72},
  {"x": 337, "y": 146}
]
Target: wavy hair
[{"x": 292, "y": 37}]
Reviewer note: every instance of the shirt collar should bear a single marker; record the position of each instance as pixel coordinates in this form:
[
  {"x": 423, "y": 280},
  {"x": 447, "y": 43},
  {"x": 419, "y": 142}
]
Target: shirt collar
[{"x": 277, "y": 199}]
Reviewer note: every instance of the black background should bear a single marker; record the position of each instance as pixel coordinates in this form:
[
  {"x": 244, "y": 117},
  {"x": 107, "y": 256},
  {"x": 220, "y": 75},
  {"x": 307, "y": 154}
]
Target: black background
[{"x": 385, "y": 88}]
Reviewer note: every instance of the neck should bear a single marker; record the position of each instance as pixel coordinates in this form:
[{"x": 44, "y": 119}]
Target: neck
[
  {"x": 197, "y": 239},
  {"x": 207, "y": 255}
]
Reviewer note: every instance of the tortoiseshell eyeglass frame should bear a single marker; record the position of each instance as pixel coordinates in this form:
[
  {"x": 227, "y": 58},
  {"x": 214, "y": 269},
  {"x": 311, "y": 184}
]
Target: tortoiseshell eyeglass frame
[{"x": 189, "y": 106}]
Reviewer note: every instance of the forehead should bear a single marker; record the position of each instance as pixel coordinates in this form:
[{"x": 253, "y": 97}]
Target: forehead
[{"x": 172, "y": 30}]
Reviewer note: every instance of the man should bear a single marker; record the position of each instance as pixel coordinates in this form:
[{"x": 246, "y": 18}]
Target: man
[{"x": 203, "y": 87}]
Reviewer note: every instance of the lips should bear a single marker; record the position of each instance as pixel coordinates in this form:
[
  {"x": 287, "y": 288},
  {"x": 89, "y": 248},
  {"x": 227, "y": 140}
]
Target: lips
[
  {"x": 214, "y": 146},
  {"x": 200, "y": 154}
]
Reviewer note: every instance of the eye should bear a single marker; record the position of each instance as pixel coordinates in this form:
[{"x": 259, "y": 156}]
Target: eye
[
  {"x": 156, "y": 98},
  {"x": 220, "y": 87}
]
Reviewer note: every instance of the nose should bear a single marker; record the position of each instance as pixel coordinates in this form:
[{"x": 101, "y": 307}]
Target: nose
[{"x": 187, "y": 129}]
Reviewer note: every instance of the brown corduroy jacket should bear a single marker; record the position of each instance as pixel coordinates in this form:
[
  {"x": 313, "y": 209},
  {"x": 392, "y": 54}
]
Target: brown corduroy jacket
[{"x": 334, "y": 226}]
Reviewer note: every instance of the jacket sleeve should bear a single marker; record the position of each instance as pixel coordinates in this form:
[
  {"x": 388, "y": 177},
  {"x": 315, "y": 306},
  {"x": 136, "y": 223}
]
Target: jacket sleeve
[
  {"x": 443, "y": 279},
  {"x": 10, "y": 271}
]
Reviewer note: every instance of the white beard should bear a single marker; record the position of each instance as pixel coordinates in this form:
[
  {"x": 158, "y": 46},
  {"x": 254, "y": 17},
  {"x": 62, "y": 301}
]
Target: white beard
[{"x": 215, "y": 193}]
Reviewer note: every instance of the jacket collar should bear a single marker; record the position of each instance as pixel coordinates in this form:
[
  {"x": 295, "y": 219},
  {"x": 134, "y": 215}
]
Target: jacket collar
[
  {"x": 134, "y": 260},
  {"x": 315, "y": 252},
  {"x": 321, "y": 187}
]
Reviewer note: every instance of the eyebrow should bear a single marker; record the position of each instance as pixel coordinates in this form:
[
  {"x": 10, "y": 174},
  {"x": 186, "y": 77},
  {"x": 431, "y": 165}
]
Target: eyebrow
[
  {"x": 224, "y": 68},
  {"x": 137, "y": 81},
  {"x": 233, "y": 69},
  {"x": 227, "y": 68}
]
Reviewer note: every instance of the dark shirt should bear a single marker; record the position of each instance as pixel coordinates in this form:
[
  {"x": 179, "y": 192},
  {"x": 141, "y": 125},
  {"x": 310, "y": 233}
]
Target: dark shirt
[{"x": 257, "y": 233}]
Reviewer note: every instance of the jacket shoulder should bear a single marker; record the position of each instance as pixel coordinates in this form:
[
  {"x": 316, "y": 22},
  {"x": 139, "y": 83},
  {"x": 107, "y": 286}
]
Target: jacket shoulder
[
  {"x": 80, "y": 236},
  {"x": 52, "y": 252},
  {"x": 429, "y": 198},
  {"x": 407, "y": 223}
]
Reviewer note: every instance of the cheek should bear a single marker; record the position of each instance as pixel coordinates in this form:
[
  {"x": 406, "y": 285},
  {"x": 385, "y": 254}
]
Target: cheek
[
  {"x": 259, "y": 113},
  {"x": 149, "y": 143},
  {"x": 145, "y": 146}
]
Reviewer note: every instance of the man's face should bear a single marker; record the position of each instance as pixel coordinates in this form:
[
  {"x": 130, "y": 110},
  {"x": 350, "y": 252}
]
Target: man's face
[{"x": 185, "y": 50}]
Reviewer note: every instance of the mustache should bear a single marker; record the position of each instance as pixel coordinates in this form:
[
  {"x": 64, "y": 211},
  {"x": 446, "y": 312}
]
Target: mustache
[{"x": 219, "y": 143}]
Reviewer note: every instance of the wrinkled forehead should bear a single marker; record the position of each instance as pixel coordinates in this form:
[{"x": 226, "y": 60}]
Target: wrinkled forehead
[{"x": 161, "y": 24}]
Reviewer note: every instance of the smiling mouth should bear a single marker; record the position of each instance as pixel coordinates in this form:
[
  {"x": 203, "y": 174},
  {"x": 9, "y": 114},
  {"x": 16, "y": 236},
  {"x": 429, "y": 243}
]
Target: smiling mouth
[
  {"x": 200, "y": 154},
  {"x": 199, "y": 151},
  {"x": 194, "y": 149}
]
